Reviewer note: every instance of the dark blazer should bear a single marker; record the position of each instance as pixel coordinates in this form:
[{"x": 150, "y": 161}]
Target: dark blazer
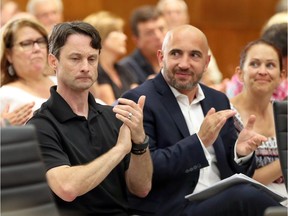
[{"x": 177, "y": 155}]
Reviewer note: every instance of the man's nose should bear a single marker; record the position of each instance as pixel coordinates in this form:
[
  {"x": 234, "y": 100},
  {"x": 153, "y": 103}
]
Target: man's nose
[
  {"x": 184, "y": 62},
  {"x": 85, "y": 65}
]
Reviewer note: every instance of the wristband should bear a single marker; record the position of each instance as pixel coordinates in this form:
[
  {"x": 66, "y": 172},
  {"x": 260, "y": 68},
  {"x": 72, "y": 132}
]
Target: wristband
[{"x": 139, "y": 149}]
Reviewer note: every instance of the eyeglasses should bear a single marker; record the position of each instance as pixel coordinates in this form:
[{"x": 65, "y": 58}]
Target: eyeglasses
[{"x": 29, "y": 44}]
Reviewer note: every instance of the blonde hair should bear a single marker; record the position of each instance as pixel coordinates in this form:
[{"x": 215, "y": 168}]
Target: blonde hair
[{"x": 105, "y": 22}]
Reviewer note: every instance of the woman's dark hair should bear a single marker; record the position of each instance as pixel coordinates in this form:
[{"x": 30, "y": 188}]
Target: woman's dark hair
[{"x": 244, "y": 52}]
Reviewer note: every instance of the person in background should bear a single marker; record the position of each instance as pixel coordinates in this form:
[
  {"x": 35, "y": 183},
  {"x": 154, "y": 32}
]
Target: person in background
[
  {"x": 113, "y": 79},
  {"x": 23, "y": 64},
  {"x": 235, "y": 86},
  {"x": 281, "y": 6},
  {"x": 8, "y": 9},
  {"x": 261, "y": 71},
  {"x": 193, "y": 138},
  {"x": 148, "y": 30},
  {"x": 17, "y": 117},
  {"x": 86, "y": 146},
  {"x": 277, "y": 35},
  {"x": 176, "y": 13},
  {"x": 23, "y": 15},
  {"x": 48, "y": 12},
  {"x": 281, "y": 17}
]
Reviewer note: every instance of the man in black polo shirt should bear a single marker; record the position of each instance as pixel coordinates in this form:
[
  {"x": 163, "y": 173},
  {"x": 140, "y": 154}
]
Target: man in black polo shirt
[{"x": 86, "y": 146}]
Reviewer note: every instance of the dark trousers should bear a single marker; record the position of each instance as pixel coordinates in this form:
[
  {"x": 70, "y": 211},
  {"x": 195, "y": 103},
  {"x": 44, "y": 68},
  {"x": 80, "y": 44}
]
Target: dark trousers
[{"x": 239, "y": 200}]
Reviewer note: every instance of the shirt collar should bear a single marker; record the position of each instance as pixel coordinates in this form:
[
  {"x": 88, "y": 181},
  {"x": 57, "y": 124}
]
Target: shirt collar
[
  {"x": 199, "y": 95},
  {"x": 61, "y": 109}
]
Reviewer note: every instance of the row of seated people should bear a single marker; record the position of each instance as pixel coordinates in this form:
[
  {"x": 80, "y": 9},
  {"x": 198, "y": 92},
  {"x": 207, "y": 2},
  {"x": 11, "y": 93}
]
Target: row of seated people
[
  {"x": 116, "y": 77},
  {"x": 93, "y": 153},
  {"x": 35, "y": 51},
  {"x": 251, "y": 63},
  {"x": 143, "y": 62}
]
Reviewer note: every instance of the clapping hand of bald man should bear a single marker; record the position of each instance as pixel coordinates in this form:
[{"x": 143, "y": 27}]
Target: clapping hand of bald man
[{"x": 248, "y": 140}]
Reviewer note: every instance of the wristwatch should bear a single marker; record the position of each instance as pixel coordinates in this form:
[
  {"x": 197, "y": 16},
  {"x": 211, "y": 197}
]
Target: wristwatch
[{"x": 139, "y": 149}]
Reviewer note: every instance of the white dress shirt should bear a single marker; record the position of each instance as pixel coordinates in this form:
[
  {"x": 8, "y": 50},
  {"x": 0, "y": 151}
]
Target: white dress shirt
[{"x": 194, "y": 116}]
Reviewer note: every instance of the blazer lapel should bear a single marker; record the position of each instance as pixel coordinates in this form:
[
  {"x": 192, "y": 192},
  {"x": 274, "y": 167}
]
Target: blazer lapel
[
  {"x": 225, "y": 170},
  {"x": 169, "y": 101}
]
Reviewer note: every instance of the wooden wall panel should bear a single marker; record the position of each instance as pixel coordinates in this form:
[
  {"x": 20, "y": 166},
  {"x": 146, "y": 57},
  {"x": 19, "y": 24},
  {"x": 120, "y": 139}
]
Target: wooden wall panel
[
  {"x": 226, "y": 46},
  {"x": 228, "y": 24}
]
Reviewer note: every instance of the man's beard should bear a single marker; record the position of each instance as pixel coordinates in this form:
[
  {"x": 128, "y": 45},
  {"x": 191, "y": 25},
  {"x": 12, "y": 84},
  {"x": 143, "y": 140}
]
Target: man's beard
[{"x": 179, "y": 85}]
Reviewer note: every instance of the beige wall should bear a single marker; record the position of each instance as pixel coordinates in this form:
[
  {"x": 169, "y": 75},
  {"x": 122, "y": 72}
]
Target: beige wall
[{"x": 228, "y": 24}]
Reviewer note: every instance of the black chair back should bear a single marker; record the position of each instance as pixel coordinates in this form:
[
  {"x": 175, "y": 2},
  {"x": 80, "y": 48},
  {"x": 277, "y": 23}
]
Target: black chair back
[
  {"x": 280, "y": 118},
  {"x": 24, "y": 189}
]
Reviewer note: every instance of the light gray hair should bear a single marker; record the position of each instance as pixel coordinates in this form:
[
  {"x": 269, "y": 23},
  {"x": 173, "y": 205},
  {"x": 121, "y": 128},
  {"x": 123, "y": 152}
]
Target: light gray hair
[
  {"x": 31, "y": 5},
  {"x": 161, "y": 4}
]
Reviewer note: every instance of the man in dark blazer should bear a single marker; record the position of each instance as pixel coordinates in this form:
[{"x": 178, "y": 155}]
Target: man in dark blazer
[{"x": 192, "y": 137}]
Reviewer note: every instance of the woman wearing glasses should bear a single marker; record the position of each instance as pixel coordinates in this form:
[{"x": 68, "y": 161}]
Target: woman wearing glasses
[{"x": 24, "y": 85}]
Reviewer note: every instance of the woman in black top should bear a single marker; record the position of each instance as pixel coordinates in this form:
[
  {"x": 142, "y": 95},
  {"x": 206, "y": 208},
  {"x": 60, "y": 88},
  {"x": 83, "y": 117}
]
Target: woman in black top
[{"x": 113, "y": 79}]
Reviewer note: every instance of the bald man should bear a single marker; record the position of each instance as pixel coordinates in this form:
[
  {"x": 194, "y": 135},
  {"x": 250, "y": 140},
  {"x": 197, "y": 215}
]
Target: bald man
[{"x": 192, "y": 137}]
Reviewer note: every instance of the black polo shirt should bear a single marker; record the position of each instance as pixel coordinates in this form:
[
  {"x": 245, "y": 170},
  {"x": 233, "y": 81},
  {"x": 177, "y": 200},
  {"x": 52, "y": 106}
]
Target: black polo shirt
[{"x": 68, "y": 139}]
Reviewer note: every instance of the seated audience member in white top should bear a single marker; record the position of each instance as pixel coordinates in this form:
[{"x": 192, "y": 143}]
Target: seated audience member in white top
[{"x": 23, "y": 65}]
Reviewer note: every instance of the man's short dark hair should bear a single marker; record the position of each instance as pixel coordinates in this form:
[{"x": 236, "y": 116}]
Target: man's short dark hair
[
  {"x": 62, "y": 31},
  {"x": 143, "y": 14}
]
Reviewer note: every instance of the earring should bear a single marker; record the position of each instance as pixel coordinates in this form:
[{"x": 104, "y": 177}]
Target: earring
[{"x": 11, "y": 71}]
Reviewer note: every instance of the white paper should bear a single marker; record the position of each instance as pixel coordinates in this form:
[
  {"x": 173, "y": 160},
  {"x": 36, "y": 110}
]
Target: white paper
[{"x": 230, "y": 181}]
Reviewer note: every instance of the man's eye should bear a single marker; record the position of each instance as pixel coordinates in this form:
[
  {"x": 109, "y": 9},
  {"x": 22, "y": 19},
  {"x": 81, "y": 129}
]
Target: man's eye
[
  {"x": 196, "y": 55},
  {"x": 174, "y": 53}
]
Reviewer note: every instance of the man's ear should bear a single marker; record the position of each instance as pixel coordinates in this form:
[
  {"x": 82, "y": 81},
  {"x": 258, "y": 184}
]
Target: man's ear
[
  {"x": 207, "y": 62},
  {"x": 134, "y": 39},
  {"x": 160, "y": 57},
  {"x": 52, "y": 61}
]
